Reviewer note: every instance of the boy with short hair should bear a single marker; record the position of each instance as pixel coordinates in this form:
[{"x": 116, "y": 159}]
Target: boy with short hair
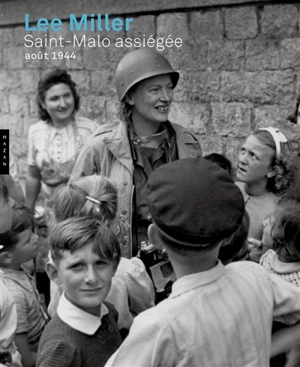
[
  {"x": 18, "y": 247},
  {"x": 215, "y": 315},
  {"x": 84, "y": 331}
]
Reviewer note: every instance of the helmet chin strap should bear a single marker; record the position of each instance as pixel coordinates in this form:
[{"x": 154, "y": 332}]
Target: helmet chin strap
[{"x": 277, "y": 136}]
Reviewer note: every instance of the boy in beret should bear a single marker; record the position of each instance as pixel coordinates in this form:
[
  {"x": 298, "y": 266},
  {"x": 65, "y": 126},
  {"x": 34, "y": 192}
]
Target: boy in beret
[{"x": 215, "y": 316}]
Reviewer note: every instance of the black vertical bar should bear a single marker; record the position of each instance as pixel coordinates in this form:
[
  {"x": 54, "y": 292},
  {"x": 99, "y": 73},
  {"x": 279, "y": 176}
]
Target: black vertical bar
[{"x": 4, "y": 152}]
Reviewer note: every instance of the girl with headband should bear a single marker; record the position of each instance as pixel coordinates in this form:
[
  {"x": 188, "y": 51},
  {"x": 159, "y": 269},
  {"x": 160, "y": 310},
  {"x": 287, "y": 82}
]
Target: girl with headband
[{"x": 263, "y": 174}]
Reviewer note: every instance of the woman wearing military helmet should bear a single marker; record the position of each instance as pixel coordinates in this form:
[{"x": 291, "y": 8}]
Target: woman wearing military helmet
[{"x": 127, "y": 151}]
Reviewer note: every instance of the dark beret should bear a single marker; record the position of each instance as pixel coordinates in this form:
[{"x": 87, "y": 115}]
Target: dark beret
[{"x": 194, "y": 202}]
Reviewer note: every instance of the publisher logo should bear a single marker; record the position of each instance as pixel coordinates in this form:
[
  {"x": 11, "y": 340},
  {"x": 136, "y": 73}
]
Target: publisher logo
[{"x": 4, "y": 155}]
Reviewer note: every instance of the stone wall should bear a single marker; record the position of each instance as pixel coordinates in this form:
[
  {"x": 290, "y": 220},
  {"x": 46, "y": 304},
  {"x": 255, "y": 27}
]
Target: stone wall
[{"x": 239, "y": 66}]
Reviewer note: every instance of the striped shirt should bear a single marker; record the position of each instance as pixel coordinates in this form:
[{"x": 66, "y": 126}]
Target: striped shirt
[
  {"x": 60, "y": 144},
  {"x": 218, "y": 318},
  {"x": 31, "y": 318}
]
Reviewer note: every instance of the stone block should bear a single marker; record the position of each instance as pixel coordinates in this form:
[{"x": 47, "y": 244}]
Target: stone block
[
  {"x": 115, "y": 55},
  {"x": 13, "y": 57},
  {"x": 112, "y": 107},
  {"x": 232, "y": 150},
  {"x": 189, "y": 57},
  {"x": 297, "y": 88},
  {"x": 290, "y": 53},
  {"x": 102, "y": 83},
  {"x": 4, "y": 104},
  {"x": 227, "y": 55},
  {"x": 274, "y": 115},
  {"x": 231, "y": 119},
  {"x": 193, "y": 116},
  {"x": 33, "y": 106},
  {"x": 93, "y": 107},
  {"x": 96, "y": 58},
  {"x": 71, "y": 63},
  {"x": 30, "y": 80},
  {"x": 206, "y": 25},
  {"x": 64, "y": 32},
  {"x": 212, "y": 144},
  {"x": 241, "y": 22},
  {"x": 13, "y": 122},
  {"x": 172, "y": 24},
  {"x": 278, "y": 21},
  {"x": 19, "y": 33},
  {"x": 6, "y": 37},
  {"x": 142, "y": 25},
  {"x": 262, "y": 54},
  {"x": 200, "y": 86},
  {"x": 82, "y": 80},
  {"x": 18, "y": 103},
  {"x": 267, "y": 87},
  {"x": 10, "y": 79},
  {"x": 19, "y": 147},
  {"x": 35, "y": 63},
  {"x": 54, "y": 60}
]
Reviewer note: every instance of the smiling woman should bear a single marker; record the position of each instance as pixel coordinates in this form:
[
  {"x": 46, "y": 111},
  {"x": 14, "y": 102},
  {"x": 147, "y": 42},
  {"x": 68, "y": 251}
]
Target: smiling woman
[
  {"x": 55, "y": 141},
  {"x": 263, "y": 174},
  {"x": 143, "y": 140}
]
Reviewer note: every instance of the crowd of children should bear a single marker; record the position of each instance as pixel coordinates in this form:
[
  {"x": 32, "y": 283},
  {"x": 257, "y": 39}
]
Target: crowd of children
[
  {"x": 145, "y": 180},
  {"x": 234, "y": 306}
]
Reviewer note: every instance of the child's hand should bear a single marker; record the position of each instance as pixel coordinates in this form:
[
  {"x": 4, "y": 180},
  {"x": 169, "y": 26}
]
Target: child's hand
[
  {"x": 255, "y": 247},
  {"x": 40, "y": 217}
]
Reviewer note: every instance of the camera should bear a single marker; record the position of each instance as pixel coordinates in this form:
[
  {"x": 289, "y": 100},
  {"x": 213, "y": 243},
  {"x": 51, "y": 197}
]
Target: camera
[{"x": 159, "y": 268}]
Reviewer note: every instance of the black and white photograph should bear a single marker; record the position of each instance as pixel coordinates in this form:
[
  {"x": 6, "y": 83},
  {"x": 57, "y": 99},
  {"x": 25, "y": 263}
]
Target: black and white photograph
[{"x": 149, "y": 183}]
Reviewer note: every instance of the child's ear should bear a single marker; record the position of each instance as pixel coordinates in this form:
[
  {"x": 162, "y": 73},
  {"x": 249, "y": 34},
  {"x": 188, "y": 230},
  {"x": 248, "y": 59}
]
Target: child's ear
[
  {"x": 6, "y": 257},
  {"x": 52, "y": 273},
  {"x": 153, "y": 236},
  {"x": 227, "y": 241}
]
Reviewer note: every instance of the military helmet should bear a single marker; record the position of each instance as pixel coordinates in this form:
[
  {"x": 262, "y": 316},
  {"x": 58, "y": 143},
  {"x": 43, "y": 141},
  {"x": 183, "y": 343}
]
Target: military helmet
[{"x": 139, "y": 65}]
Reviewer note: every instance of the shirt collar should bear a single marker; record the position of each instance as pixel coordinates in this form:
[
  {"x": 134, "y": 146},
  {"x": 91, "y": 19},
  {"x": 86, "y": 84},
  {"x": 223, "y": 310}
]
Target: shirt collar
[
  {"x": 284, "y": 268},
  {"x": 65, "y": 132},
  {"x": 189, "y": 282},
  {"x": 18, "y": 276},
  {"x": 78, "y": 319}
]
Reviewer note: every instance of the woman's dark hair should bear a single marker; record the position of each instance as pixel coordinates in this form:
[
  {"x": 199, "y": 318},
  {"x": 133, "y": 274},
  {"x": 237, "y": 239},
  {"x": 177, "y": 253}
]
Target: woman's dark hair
[
  {"x": 56, "y": 76},
  {"x": 278, "y": 183},
  {"x": 293, "y": 116}
]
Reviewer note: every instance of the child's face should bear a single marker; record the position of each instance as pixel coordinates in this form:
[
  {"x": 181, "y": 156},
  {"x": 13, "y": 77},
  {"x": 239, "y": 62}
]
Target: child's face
[
  {"x": 86, "y": 278},
  {"x": 25, "y": 248}
]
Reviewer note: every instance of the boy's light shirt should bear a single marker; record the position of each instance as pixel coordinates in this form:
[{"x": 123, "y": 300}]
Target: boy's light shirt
[
  {"x": 78, "y": 319},
  {"x": 224, "y": 309}
]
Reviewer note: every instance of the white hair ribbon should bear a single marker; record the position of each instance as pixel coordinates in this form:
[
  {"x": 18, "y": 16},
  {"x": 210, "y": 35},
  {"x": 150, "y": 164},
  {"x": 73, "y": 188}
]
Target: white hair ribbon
[{"x": 277, "y": 136}]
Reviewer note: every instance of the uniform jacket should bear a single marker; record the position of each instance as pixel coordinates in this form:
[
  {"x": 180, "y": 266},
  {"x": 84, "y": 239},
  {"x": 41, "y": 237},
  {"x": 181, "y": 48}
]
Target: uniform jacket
[{"x": 108, "y": 152}]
